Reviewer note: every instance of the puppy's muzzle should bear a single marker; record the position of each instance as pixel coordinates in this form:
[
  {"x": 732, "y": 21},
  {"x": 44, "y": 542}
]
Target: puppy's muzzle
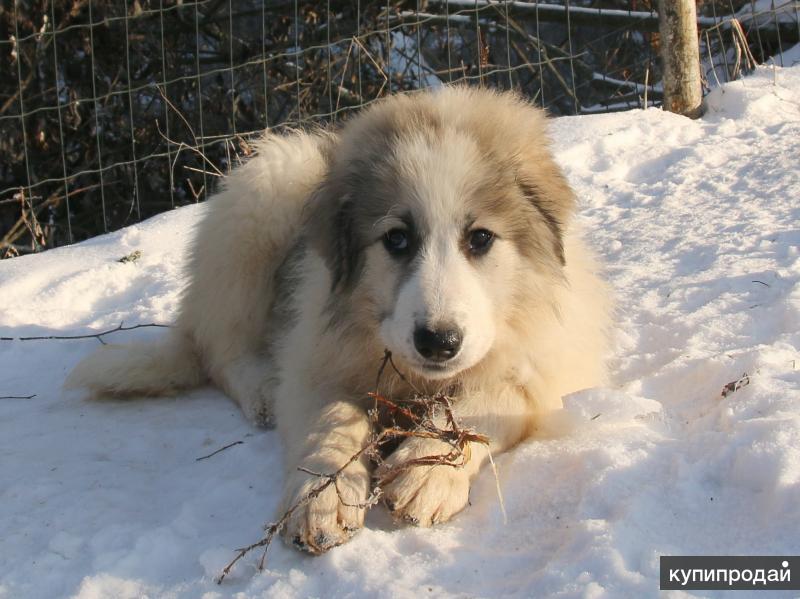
[{"x": 437, "y": 344}]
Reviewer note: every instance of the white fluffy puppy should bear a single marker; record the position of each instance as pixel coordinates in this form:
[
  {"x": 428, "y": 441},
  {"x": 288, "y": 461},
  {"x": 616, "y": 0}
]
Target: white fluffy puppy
[{"x": 436, "y": 226}]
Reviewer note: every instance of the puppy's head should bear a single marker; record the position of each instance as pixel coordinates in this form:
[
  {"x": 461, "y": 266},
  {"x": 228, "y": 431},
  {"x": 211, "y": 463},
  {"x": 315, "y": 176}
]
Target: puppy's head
[{"x": 437, "y": 211}]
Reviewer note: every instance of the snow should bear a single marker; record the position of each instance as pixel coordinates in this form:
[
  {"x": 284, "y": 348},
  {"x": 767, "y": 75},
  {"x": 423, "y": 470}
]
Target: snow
[{"x": 699, "y": 225}]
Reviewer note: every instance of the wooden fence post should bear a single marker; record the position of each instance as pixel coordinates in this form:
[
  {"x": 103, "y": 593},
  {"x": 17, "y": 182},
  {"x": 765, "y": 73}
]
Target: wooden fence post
[{"x": 677, "y": 24}]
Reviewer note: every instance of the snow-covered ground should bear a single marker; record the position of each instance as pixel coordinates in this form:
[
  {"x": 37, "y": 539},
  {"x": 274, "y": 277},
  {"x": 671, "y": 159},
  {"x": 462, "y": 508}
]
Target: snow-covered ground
[{"x": 699, "y": 224}]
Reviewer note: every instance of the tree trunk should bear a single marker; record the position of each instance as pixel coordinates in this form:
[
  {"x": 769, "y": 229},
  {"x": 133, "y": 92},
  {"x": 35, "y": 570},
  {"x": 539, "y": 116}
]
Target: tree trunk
[{"x": 677, "y": 20}]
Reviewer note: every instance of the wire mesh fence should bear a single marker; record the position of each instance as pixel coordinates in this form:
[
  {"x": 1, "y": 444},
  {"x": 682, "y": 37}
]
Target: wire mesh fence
[{"x": 114, "y": 110}]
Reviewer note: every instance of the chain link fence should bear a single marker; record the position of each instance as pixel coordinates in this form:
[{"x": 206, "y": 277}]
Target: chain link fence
[{"x": 114, "y": 110}]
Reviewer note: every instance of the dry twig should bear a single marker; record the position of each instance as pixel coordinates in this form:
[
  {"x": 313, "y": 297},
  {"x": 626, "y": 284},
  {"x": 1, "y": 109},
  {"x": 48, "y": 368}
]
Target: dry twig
[
  {"x": 221, "y": 449},
  {"x": 734, "y": 386},
  {"x": 98, "y": 336}
]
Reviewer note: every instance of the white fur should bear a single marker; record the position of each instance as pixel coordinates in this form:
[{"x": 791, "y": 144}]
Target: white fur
[
  {"x": 315, "y": 382},
  {"x": 444, "y": 289}
]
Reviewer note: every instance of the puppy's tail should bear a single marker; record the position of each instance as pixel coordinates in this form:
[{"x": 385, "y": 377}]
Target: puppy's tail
[{"x": 140, "y": 369}]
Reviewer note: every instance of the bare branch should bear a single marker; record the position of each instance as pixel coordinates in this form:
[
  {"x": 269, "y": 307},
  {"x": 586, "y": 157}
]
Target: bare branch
[
  {"x": 98, "y": 336},
  {"x": 221, "y": 449}
]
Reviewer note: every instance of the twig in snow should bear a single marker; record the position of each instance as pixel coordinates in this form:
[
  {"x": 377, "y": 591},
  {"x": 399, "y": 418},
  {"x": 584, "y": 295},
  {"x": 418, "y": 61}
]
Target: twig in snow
[
  {"x": 213, "y": 453},
  {"x": 98, "y": 336},
  {"x": 18, "y": 396},
  {"x": 734, "y": 386},
  {"x": 497, "y": 487},
  {"x": 132, "y": 257}
]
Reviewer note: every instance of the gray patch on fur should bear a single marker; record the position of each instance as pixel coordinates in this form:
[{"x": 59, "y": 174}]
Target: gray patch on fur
[{"x": 283, "y": 315}]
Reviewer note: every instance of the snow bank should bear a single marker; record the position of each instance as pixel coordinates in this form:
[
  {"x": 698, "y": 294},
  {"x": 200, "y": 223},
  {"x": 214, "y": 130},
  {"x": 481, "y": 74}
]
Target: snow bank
[{"x": 699, "y": 224}]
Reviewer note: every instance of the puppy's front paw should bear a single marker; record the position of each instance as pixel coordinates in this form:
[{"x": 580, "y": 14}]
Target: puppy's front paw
[
  {"x": 329, "y": 517},
  {"x": 424, "y": 495}
]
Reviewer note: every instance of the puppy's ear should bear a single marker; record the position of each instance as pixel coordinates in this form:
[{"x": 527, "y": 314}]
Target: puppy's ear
[
  {"x": 331, "y": 232},
  {"x": 520, "y": 128},
  {"x": 543, "y": 183},
  {"x": 551, "y": 196}
]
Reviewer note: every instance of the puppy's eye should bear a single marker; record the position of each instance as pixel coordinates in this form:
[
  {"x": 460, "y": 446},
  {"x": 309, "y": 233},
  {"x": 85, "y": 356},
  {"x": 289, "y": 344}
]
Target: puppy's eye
[
  {"x": 396, "y": 241},
  {"x": 480, "y": 240}
]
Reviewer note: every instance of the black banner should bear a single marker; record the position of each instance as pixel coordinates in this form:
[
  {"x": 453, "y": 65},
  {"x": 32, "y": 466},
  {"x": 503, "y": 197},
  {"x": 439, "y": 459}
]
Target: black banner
[{"x": 741, "y": 572}]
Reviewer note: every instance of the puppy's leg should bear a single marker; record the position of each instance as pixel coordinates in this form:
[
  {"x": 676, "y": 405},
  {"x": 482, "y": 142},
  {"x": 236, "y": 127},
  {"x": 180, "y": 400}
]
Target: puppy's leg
[
  {"x": 329, "y": 518},
  {"x": 425, "y": 495},
  {"x": 250, "y": 382}
]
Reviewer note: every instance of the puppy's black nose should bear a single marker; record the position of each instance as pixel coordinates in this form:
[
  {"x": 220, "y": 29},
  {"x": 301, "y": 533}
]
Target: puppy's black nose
[{"x": 437, "y": 345}]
